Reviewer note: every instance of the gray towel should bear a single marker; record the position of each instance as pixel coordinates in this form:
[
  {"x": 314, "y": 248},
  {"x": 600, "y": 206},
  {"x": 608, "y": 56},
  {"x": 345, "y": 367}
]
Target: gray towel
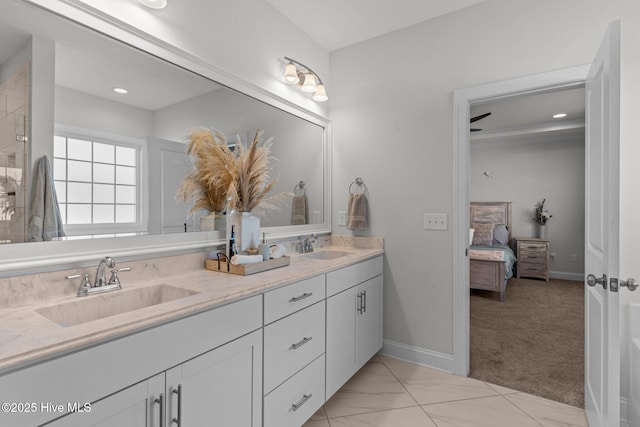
[
  {"x": 357, "y": 212},
  {"x": 45, "y": 222},
  {"x": 299, "y": 210}
]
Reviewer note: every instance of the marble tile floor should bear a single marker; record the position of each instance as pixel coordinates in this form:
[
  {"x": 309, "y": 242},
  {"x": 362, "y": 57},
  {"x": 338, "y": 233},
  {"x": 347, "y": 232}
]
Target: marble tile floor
[{"x": 389, "y": 392}]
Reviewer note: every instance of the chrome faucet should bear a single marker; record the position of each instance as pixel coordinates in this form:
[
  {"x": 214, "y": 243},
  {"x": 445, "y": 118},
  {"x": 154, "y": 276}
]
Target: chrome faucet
[
  {"x": 101, "y": 275},
  {"x": 100, "y": 285},
  {"x": 307, "y": 245}
]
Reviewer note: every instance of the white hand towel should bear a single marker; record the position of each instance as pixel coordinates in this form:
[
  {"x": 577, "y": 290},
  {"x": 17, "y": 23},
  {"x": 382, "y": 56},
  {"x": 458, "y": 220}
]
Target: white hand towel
[
  {"x": 245, "y": 259},
  {"x": 277, "y": 251}
]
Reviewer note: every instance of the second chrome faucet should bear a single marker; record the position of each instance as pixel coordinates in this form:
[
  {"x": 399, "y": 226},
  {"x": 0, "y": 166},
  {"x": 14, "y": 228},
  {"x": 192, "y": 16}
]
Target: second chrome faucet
[{"x": 100, "y": 284}]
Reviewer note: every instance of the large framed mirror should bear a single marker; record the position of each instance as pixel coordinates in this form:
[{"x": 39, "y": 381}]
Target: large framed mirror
[{"x": 117, "y": 158}]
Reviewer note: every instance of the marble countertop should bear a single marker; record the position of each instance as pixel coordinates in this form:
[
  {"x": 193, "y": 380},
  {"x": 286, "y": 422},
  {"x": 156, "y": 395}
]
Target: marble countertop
[{"x": 27, "y": 337}]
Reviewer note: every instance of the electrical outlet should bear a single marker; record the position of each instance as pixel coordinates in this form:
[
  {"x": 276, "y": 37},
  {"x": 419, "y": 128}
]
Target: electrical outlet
[
  {"x": 574, "y": 257},
  {"x": 435, "y": 221},
  {"x": 342, "y": 218}
]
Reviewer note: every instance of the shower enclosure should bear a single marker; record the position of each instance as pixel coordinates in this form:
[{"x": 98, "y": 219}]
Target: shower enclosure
[{"x": 14, "y": 116}]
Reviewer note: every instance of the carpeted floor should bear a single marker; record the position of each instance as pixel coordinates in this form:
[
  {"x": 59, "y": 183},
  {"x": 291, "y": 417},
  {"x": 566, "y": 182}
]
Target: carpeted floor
[{"x": 534, "y": 341}]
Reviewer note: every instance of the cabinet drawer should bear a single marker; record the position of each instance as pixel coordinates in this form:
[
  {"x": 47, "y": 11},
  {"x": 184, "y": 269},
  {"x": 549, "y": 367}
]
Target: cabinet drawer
[
  {"x": 289, "y": 299},
  {"x": 295, "y": 401},
  {"x": 526, "y": 269},
  {"x": 292, "y": 343},
  {"x": 340, "y": 280},
  {"x": 532, "y": 246},
  {"x": 533, "y": 257}
]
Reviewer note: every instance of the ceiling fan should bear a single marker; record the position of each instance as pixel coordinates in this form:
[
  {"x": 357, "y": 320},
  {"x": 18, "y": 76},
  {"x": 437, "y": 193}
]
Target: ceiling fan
[{"x": 476, "y": 118}]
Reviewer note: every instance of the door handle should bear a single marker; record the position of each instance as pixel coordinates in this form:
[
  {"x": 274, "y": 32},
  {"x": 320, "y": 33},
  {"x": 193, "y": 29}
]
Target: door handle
[
  {"x": 160, "y": 401},
  {"x": 593, "y": 280},
  {"x": 178, "y": 420},
  {"x": 630, "y": 283}
]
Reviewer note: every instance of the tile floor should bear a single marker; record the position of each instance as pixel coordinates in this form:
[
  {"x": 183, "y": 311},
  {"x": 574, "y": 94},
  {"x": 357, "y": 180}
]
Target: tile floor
[{"x": 392, "y": 393}]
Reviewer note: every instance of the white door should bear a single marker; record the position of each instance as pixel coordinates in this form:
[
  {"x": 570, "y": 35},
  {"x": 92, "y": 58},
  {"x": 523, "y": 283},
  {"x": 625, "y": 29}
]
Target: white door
[
  {"x": 168, "y": 164},
  {"x": 602, "y": 342}
]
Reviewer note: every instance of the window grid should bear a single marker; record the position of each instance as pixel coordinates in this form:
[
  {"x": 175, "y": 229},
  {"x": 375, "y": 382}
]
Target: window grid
[{"x": 118, "y": 210}]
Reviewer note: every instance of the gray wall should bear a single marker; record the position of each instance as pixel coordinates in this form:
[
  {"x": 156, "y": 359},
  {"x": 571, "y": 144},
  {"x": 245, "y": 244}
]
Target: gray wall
[
  {"x": 393, "y": 126},
  {"x": 526, "y": 173}
]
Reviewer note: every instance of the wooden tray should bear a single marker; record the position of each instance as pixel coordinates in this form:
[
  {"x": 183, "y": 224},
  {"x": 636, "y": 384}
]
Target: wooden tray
[{"x": 246, "y": 269}]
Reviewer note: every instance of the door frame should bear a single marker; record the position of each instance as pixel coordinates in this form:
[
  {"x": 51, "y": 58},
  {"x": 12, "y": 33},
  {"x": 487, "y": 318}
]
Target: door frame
[{"x": 462, "y": 101}]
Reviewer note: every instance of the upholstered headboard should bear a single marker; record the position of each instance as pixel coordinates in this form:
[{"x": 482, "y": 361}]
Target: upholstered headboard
[{"x": 491, "y": 213}]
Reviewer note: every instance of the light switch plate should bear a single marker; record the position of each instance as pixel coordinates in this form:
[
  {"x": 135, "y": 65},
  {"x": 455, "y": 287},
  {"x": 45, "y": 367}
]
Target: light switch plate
[
  {"x": 433, "y": 221},
  {"x": 342, "y": 218}
]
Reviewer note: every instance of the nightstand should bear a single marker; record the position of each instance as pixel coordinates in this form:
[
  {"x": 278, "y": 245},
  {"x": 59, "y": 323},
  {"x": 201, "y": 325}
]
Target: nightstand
[{"x": 533, "y": 257}]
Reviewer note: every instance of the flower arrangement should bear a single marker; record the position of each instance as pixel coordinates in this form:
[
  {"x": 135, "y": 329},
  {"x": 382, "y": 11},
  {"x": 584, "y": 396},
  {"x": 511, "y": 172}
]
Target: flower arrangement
[
  {"x": 541, "y": 215},
  {"x": 223, "y": 178}
]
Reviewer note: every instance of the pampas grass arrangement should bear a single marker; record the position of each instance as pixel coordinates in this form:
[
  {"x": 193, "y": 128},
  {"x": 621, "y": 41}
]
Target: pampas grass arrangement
[{"x": 224, "y": 179}]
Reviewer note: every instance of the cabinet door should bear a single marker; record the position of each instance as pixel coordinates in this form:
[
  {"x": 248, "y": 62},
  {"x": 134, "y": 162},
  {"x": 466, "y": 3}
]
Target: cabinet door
[
  {"x": 369, "y": 327},
  {"x": 342, "y": 363},
  {"x": 224, "y": 385},
  {"x": 134, "y": 406}
]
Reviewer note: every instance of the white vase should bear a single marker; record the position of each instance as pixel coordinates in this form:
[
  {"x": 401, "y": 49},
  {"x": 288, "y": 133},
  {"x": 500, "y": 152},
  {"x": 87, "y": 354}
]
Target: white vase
[
  {"x": 213, "y": 221},
  {"x": 541, "y": 231},
  {"x": 247, "y": 228}
]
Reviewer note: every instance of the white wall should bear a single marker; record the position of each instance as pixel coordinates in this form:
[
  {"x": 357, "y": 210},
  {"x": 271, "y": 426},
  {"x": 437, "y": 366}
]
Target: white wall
[
  {"x": 247, "y": 38},
  {"x": 526, "y": 173},
  {"x": 393, "y": 127},
  {"x": 91, "y": 112}
]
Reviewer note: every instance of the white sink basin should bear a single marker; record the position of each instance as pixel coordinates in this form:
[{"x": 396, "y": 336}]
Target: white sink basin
[
  {"x": 87, "y": 309},
  {"x": 326, "y": 254}
]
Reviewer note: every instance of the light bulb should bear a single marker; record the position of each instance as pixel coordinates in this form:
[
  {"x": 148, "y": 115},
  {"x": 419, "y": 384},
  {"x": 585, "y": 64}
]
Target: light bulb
[
  {"x": 321, "y": 93},
  {"x": 290, "y": 74},
  {"x": 154, "y": 4},
  {"x": 309, "y": 84}
]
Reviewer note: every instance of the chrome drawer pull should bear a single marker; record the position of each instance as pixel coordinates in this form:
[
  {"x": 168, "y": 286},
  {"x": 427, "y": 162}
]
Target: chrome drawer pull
[
  {"x": 178, "y": 420},
  {"x": 160, "y": 401},
  {"x": 302, "y": 401},
  {"x": 301, "y": 297},
  {"x": 300, "y": 343}
]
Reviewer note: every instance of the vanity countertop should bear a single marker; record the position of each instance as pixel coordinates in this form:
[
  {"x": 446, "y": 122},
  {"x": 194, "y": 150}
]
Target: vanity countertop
[{"x": 28, "y": 337}]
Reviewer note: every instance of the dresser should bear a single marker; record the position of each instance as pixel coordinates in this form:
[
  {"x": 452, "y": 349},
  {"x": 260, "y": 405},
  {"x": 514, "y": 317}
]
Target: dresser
[{"x": 533, "y": 257}]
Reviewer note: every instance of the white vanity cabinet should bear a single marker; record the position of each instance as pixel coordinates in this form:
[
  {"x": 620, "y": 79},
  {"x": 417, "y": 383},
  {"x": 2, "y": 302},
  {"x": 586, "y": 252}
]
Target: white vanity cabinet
[
  {"x": 294, "y": 345},
  {"x": 354, "y": 320},
  {"x": 222, "y": 387},
  {"x": 215, "y": 355},
  {"x": 138, "y": 405}
]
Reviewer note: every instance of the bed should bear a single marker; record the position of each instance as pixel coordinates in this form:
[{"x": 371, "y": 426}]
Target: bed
[{"x": 491, "y": 265}]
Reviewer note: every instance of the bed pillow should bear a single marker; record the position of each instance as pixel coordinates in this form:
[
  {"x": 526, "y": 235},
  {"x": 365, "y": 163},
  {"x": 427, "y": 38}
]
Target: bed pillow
[
  {"x": 471, "y": 232},
  {"x": 500, "y": 234},
  {"x": 483, "y": 234}
]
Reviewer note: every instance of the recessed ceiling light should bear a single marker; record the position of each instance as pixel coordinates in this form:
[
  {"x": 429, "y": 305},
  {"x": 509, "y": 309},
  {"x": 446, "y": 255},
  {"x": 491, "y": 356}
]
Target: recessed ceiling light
[
  {"x": 154, "y": 4},
  {"x": 120, "y": 90},
  {"x": 559, "y": 115}
]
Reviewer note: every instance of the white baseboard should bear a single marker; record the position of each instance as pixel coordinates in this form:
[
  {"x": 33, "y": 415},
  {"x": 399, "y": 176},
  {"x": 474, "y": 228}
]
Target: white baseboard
[
  {"x": 418, "y": 355},
  {"x": 563, "y": 275}
]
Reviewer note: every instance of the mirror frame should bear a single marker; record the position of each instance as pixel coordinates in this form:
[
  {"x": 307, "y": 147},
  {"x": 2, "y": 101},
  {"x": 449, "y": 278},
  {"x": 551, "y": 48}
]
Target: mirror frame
[{"x": 33, "y": 257}]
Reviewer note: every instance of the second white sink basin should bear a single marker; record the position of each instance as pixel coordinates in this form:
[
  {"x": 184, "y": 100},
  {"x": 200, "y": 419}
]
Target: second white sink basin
[
  {"x": 326, "y": 254},
  {"x": 87, "y": 309}
]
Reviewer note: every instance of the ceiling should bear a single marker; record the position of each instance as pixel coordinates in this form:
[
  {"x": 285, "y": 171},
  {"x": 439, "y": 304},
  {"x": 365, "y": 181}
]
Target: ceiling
[
  {"x": 530, "y": 116},
  {"x": 334, "y": 24}
]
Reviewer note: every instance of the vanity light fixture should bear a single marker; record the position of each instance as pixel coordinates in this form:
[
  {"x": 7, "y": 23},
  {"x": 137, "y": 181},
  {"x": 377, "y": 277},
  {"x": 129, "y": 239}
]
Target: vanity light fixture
[
  {"x": 154, "y": 4},
  {"x": 297, "y": 73},
  {"x": 120, "y": 90},
  {"x": 559, "y": 115}
]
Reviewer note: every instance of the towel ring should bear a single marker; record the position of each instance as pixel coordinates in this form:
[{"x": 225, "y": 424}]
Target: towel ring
[
  {"x": 359, "y": 183},
  {"x": 299, "y": 189}
]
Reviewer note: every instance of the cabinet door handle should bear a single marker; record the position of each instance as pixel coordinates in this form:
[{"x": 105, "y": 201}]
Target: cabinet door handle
[
  {"x": 301, "y": 297},
  {"x": 359, "y": 302},
  {"x": 160, "y": 401},
  {"x": 364, "y": 301},
  {"x": 178, "y": 420},
  {"x": 305, "y": 398},
  {"x": 300, "y": 343}
]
